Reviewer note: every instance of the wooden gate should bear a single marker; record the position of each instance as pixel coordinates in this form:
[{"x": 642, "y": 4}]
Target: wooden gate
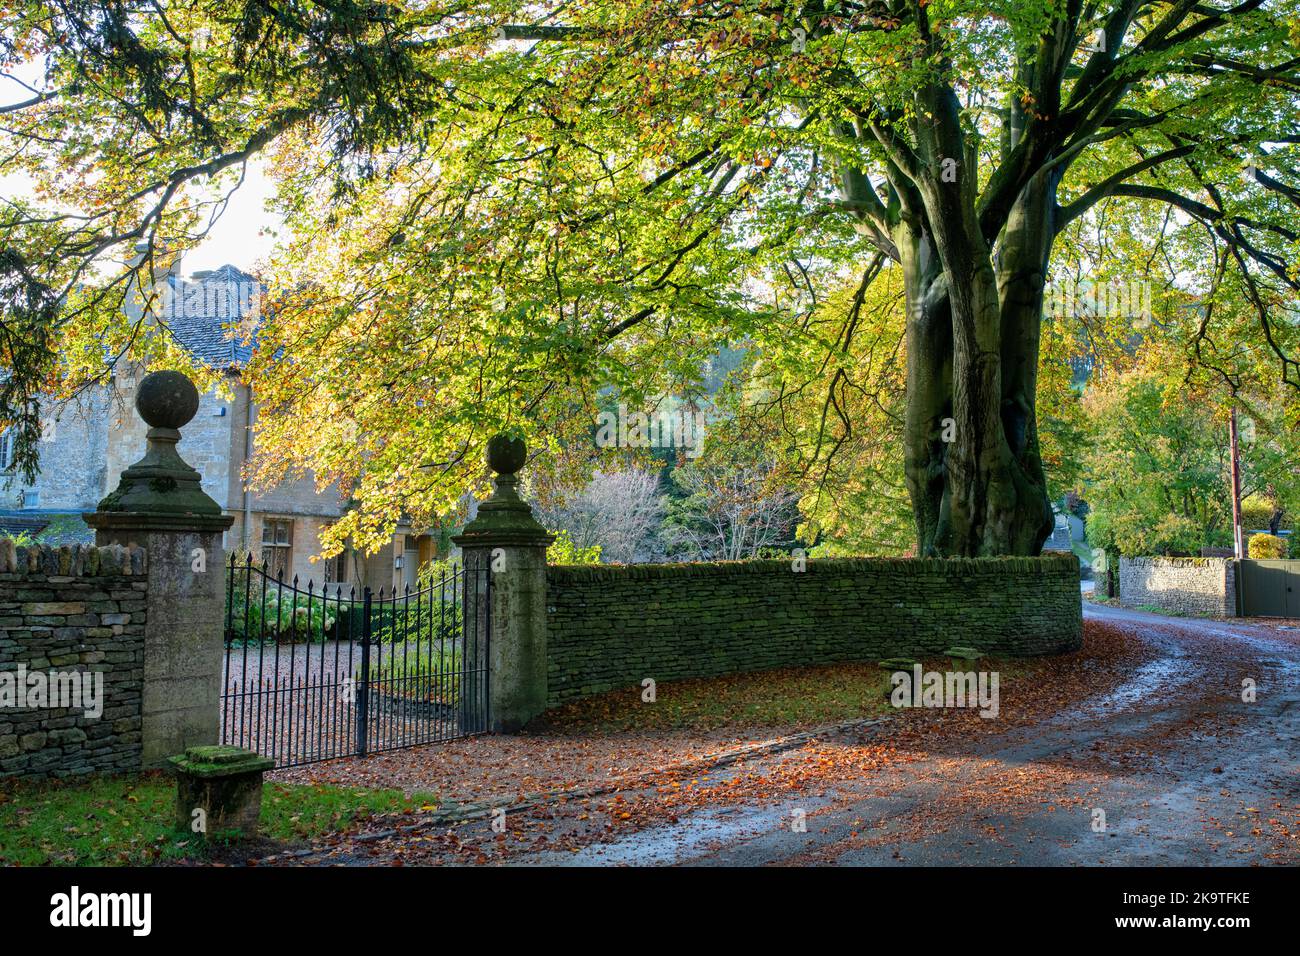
[{"x": 1269, "y": 588}]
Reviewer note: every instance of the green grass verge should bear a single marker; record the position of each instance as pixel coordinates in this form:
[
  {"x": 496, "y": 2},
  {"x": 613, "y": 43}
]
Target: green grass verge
[
  {"x": 1149, "y": 608},
  {"x": 1167, "y": 612},
  {"x": 788, "y": 698},
  {"x": 129, "y": 821}
]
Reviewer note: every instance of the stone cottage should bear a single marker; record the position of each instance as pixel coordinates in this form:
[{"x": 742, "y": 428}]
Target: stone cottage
[{"x": 88, "y": 441}]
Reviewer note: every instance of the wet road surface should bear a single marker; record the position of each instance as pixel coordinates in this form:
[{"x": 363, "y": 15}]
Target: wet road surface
[{"x": 1172, "y": 767}]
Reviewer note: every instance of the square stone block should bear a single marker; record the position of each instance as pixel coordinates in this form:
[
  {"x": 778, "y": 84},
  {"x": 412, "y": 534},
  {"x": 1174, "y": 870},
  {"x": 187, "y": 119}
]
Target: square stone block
[{"x": 220, "y": 789}]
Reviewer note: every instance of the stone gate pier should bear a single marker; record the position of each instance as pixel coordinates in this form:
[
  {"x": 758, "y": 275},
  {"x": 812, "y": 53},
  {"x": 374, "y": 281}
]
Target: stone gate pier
[
  {"x": 160, "y": 506},
  {"x": 507, "y": 541}
]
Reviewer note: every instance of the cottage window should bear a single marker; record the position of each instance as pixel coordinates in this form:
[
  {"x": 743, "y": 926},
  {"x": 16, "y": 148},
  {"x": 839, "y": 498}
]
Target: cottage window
[
  {"x": 277, "y": 546},
  {"x": 336, "y": 568}
]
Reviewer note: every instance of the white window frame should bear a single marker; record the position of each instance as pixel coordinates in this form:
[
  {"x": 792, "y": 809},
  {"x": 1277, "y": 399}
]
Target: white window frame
[{"x": 8, "y": 443}]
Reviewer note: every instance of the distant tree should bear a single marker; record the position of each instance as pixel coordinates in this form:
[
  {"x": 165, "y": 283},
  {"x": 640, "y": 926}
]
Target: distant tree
[
  {"x": 1157, "y": 465},
  {"x": 832, "y": 415},
  {"x": 732, "y": 510},
  {"x": 618, "y": 511},
  {"x": 1157, "y": 468}
]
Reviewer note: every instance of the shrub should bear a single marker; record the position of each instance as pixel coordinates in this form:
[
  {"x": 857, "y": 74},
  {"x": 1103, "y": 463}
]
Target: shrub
[
  {"x": 423, "y": 624},
  {"x": 564, "y": 551},
  {"x": 439, "y": 574},
  {"x": 284, "y": 616},
  {"x": 423, "y": 673},
  {"x": 1265, "y": 547}
]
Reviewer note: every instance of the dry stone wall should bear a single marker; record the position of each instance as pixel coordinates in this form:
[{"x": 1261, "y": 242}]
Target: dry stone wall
[
  {"x": 614, "y": 626},
  {"x": 72, "y": 623},
  {"x": 1199, "y": 586}
]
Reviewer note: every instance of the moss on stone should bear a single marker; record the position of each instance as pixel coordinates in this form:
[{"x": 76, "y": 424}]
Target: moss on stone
[{"x": 220, "y": 760}]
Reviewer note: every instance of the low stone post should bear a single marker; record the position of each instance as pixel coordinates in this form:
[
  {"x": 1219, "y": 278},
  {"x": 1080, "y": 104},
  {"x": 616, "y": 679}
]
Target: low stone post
[
  {"x": 893, "y": 665},
  {"x": 219, "y": 790},
  {"x": 160, "y": 506},
  {"x": 506, "y": 542},
  {"x": 963, "y": 657}
]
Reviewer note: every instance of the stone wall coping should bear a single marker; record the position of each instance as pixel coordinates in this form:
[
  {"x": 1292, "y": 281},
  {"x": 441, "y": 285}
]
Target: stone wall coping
[
  {"x": 76, "y": 561},
  {"x": 503, "y": 539},
  {"x": 1046, "y": 564},
  {"x": 1157, "y": 561}
]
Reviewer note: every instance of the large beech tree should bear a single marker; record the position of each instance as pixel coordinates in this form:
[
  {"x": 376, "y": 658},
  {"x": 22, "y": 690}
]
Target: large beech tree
[{"x": 493, "y": 210}]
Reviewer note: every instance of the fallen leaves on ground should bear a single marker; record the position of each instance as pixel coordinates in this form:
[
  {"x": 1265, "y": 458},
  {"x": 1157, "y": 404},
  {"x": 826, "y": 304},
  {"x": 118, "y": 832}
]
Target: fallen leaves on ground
[{"x": 653, "y": 779}]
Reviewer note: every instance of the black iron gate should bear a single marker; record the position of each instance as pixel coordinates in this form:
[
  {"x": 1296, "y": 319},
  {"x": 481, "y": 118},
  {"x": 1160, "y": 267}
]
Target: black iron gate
[{"x": 316, "y": 673}]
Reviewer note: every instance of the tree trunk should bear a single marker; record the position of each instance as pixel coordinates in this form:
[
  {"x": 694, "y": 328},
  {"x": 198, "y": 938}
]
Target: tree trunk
[
  {"x": 970, "y": 435},
  {"x": 929, "y": 390},
  {"x": 1022, "y": 274},
  {"x": 972, "y": 459}
]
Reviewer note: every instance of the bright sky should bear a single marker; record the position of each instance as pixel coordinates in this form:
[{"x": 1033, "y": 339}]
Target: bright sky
[{"x": 241, "y": 237}]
